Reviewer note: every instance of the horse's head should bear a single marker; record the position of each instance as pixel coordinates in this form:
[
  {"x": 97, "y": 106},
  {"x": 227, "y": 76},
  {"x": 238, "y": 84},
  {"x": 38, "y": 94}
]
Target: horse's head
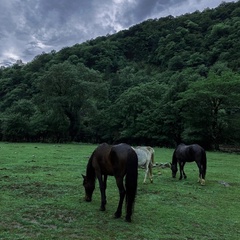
[
  {"x": 174, "y": 169},
  {"x": 89, "y": 188}
]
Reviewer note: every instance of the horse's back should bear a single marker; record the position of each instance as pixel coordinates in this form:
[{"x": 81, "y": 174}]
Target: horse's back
[
  {"x": 145, "y": 148},
  {"x": 120, "y": 156},
  {"x": 150, "y": 149},
  {"x": 144, "y": 154},
  {"x": 100, "y": 159},
  {"x": 109, "y": 159},
  {"x": 120, "y": 152},
  {"x": 189, "y": 153},
  {"x": 197, "y": 150},
  {"x": 102, "y": 150}
]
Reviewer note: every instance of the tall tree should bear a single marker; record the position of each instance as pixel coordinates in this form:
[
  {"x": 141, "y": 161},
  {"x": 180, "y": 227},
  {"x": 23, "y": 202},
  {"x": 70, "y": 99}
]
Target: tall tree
[
  {"x": 65, "y": 88},
  {"x": 208, "y": 107}
]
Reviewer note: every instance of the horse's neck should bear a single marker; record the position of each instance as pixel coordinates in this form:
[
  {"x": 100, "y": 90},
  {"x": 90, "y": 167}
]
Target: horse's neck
[
  {"x": 174, "y": 158},
  {"x": 90, "y": 170}
]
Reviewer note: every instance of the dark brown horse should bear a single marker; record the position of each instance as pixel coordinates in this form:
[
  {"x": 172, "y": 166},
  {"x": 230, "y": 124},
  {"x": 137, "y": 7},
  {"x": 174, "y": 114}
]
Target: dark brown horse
[
  {"x": 189, "y": 153},
  {"x": 119, "y": 161}
]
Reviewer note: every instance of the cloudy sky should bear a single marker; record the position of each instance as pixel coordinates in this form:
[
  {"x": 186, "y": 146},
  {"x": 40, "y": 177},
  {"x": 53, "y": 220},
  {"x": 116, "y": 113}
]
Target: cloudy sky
[{"x": 30, "y": 27}]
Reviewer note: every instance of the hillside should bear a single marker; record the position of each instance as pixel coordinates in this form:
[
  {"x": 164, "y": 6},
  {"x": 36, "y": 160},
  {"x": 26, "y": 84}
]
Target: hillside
[{"x": 161, "y": 82}]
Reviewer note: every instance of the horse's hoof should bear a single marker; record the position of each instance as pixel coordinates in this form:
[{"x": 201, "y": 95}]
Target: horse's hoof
[
  {"x": 88, "y": 199},
  {"x": 117, "y": 215},
  {"x": 203, "y": 182},
  {"x": 102, "y": 209},
  {"x": 128, "y": 219}
]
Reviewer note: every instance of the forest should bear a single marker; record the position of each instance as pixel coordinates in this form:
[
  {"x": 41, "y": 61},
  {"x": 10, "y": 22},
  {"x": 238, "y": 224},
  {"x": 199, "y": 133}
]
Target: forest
[{"x": 160, "y": 82}]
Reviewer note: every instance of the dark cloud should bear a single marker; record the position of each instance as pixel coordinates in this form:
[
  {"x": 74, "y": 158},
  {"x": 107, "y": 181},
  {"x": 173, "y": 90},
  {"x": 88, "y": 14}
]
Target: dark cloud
[{"x": 31, "y": 27}]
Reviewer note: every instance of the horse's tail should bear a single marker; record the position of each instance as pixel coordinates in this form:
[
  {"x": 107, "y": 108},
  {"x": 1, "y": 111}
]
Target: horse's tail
[
  {"x": 152, "y": 157},
  {"x": 151, "y": 150},
  {"x": 204, "y": 164},
  {"x": 131, "y": 182}
]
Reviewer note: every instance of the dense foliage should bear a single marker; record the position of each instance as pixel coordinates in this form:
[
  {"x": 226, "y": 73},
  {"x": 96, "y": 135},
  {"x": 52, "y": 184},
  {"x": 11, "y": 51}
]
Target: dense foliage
[{"x": 160, "y": 82}]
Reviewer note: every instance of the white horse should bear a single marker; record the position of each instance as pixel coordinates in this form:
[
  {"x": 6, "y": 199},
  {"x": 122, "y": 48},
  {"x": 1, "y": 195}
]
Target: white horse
[{"x": 146, "y": 160}]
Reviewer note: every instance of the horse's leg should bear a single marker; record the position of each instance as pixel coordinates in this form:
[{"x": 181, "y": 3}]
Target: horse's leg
[
  {"x": 146, "y": 173},
  {"x": 202, "y": 175},
  {"x": 182, "y": 173},
  {"x": 180, "y": 170},
  {"x": 122, "y": 193},
  {"x": 103, "y": 186},
  {"x": 203, "y": 179}
]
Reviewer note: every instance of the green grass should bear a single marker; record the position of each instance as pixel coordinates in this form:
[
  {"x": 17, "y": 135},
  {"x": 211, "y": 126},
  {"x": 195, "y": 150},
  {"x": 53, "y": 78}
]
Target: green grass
[{"x": 41, "y": 197}]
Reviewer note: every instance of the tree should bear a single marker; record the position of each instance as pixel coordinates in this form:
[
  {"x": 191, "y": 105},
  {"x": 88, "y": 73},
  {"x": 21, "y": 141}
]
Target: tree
[
  {"x": 130, "y": 117},
  {"x": 208, "y": 107},
  {"x": 16, "y": 124},
  {"x": 65, "y": 88}
]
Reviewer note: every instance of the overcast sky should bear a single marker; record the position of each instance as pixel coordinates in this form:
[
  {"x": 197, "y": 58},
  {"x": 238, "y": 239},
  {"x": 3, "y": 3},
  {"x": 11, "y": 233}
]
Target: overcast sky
[{"x": 30, "y": 27}]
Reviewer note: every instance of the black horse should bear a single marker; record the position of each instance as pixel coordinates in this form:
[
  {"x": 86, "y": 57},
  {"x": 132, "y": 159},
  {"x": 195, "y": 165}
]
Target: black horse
[
  {"x": 119, "y": 161},
  {"x": 189, "y": 153}
]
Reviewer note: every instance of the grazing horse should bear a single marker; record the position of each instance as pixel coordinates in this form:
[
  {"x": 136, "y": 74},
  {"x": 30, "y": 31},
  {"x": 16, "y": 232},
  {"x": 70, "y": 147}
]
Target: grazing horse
[
  {"x": 119, "y": 161},
  {"x": 189, "y": 153},
  {"x": 146, "y": 160}
]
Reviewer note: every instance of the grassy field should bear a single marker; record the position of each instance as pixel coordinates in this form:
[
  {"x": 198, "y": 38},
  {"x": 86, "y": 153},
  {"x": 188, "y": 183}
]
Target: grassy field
[{"x": 41, "y": 197}]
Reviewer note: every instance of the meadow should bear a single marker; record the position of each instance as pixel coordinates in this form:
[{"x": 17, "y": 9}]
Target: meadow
[{"x": 42, "y": 197}]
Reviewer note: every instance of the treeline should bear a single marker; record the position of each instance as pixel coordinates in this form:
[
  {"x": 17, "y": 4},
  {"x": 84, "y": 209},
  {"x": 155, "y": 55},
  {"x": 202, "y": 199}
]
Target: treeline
[{"x": 161, "y": 82}]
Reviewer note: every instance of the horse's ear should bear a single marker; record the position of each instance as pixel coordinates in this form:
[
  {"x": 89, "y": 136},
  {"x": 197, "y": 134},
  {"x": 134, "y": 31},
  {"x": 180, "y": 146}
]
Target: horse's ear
[{"x": 83, "y": 176}]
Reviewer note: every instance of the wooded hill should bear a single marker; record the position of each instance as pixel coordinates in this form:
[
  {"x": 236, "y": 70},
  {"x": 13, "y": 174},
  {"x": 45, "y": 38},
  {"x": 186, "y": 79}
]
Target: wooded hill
[{"x": 161, "y": 82}]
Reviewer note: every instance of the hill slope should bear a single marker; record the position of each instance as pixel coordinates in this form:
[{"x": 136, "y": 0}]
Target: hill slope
[{"x": 160, "y": 82}]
